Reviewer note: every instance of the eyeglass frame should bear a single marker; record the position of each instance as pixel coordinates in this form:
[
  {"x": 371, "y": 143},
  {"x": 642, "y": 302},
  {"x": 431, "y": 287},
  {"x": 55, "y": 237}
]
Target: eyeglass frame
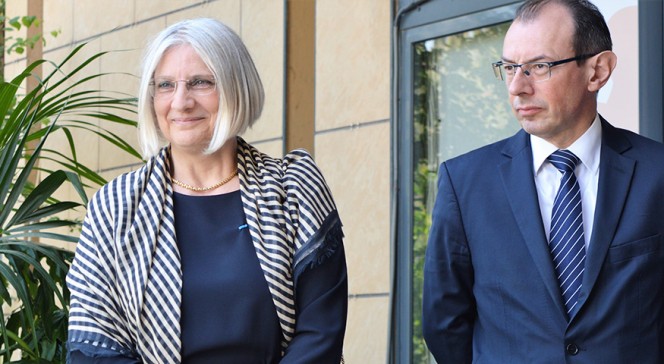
[
  {"x": 498, "y": 69},
  {"x": 188, "y": 86}
]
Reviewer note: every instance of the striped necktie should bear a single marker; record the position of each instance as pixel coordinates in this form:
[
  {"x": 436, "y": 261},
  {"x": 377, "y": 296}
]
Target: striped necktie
[{"x": 566, "y": 239}]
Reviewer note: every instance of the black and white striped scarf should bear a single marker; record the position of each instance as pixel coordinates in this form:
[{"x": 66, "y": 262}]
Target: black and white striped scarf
[{"x": 126, "y": 278}]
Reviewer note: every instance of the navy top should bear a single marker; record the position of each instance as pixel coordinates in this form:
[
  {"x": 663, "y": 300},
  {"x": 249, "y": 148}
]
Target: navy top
[{"x": 227, "y": 313}]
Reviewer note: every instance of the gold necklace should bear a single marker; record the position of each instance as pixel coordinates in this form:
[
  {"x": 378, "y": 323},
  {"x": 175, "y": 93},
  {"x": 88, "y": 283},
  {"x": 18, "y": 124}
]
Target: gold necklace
[{"x": 203, "y": 189}]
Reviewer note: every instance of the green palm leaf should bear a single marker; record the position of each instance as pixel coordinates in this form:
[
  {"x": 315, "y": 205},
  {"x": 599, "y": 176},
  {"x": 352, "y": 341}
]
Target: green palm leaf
[{"x": 31, "y": 270}]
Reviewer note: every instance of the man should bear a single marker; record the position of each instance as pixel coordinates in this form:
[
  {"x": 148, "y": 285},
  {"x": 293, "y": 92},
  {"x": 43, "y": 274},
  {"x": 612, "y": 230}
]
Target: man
[{"x": 548, "y": 247}]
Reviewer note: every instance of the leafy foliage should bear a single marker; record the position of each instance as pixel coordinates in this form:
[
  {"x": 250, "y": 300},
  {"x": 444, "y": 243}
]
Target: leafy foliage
[
  {"x": 33, "y": 272},
  {"x": 20, "y": 44}
]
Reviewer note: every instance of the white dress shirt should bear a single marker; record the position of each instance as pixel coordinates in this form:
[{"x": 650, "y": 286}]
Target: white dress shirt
[{"x": 547, "y": 177}]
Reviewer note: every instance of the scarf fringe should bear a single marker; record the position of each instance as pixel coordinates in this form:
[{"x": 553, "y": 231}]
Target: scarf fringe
[{"x": 322, "y": 245}]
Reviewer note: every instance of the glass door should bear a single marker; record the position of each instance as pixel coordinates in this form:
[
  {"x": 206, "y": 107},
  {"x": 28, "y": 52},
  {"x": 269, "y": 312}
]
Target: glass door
[
  {"x": 449, "y": 102},
  {"x": 458, "y": 105}
]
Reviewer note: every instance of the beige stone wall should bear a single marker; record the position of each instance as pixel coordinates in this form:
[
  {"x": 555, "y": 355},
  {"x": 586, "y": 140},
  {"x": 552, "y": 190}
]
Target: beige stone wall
[
  {"x": 352, "y": 142},
  {"x": 351, "y": 123}
]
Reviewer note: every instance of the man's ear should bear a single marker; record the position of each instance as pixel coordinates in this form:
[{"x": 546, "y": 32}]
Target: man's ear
[{"x": 602, "y": 66}]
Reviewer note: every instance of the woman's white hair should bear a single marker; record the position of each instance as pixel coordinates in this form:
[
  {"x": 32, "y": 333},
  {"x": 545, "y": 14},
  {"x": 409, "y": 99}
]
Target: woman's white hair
[{"x": 241, "y": 94}]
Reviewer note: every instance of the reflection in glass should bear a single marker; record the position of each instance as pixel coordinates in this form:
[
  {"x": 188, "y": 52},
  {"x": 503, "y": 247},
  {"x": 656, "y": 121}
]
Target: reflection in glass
[{"x": 457, "y": 106}]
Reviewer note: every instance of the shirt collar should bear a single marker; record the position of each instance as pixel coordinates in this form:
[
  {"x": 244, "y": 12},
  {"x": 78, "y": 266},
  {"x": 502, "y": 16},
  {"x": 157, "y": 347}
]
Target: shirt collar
[{"x": 587, "y": 148}]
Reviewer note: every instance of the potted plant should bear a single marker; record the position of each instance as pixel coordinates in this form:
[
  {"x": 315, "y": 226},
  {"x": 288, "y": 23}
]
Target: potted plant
[{"x": 33, "y": 294}]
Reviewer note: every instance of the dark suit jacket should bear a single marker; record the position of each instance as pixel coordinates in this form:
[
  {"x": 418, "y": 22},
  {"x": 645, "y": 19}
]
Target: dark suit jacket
[{"x": 490, "y": 293}]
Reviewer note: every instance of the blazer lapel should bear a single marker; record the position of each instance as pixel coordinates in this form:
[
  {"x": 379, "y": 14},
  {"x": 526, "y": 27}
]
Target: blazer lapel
[
  {"x": 615, "y": 176},
  {"x": 517, "y": 177}
]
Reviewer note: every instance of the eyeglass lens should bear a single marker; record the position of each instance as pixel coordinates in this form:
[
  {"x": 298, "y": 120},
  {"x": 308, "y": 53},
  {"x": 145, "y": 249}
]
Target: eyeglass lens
[{"x": 538, "y": 71}]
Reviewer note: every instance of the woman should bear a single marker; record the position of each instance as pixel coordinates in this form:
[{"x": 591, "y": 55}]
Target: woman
[{"x": 212, "y": 252}]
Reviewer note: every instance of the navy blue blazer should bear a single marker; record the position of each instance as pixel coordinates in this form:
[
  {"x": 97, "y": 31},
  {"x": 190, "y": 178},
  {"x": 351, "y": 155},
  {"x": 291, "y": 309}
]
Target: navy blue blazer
[{"x": 490, "y": 292}]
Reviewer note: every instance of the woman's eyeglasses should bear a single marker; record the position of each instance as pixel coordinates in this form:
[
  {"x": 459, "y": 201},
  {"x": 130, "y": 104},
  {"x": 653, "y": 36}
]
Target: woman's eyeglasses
[{"x": 200, "y": 86}]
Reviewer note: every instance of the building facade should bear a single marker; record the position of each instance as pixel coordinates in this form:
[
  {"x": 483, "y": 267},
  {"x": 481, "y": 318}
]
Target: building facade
[{"x": 371, "y": 89}]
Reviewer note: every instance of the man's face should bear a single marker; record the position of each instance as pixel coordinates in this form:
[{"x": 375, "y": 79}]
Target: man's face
[{"x": 561, "y": 108}]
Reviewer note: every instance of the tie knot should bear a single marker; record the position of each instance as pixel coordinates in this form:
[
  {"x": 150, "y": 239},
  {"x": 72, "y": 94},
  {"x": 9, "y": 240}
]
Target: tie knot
[{"x": 564, "y": 160}]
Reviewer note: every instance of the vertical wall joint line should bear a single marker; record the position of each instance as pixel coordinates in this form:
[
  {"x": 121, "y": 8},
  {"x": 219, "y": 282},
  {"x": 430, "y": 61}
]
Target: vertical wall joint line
[{"x": 300, "y": 78}]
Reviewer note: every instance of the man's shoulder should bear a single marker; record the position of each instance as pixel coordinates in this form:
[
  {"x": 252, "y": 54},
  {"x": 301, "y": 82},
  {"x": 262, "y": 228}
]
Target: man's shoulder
[
  {"x": 646, "y": 144},
  {"x": 634, "y": 145},
  {"x": 492, "y": 153}
]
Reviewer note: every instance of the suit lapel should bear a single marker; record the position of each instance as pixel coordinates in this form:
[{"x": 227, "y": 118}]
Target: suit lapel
[
  {"x": 525, "y": 207},
  {"x": 615, "y": 176}
]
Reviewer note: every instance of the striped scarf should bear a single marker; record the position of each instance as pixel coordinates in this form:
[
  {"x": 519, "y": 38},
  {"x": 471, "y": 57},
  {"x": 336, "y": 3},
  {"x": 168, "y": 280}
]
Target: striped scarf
[{"x": 126, "y": 277}]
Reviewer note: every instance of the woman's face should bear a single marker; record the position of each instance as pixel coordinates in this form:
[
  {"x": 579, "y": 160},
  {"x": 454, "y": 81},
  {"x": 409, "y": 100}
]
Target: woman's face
[{"x": 185, "y": 116}]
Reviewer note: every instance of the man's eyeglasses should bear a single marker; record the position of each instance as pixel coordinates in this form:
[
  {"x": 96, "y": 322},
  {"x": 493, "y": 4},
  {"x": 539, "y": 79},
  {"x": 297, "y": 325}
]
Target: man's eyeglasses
[
  {"x": 164, "y": 89},
  {"x": 537, "y": 71}
]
